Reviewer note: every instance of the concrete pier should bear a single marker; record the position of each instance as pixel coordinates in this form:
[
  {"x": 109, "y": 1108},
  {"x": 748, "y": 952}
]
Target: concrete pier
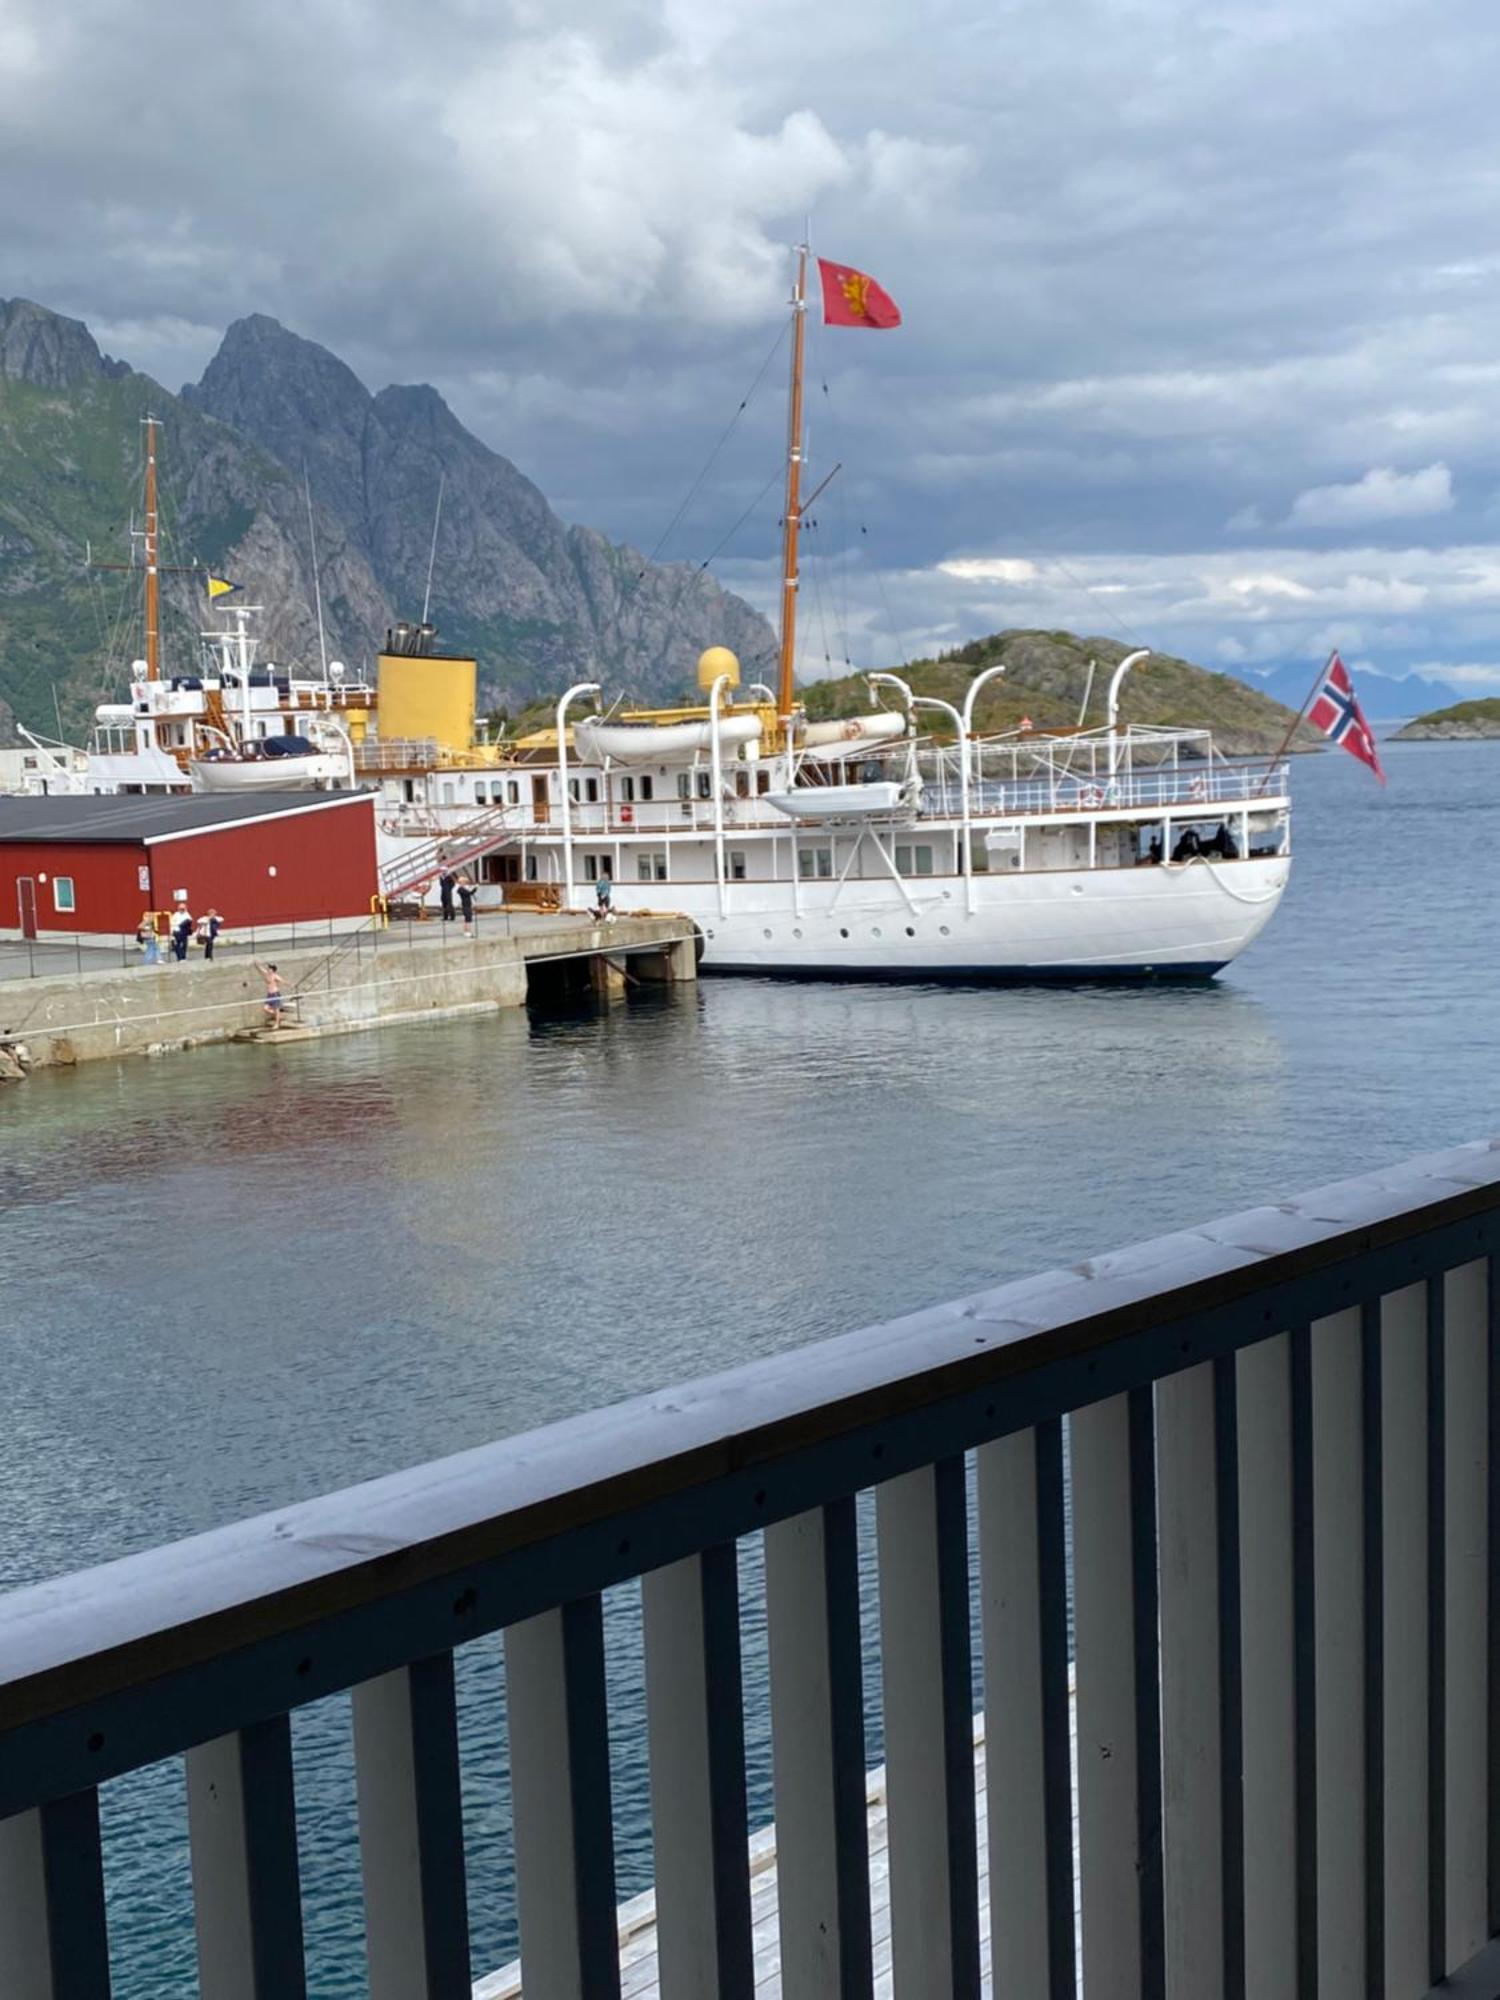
[{"x": 366, "y": 979}]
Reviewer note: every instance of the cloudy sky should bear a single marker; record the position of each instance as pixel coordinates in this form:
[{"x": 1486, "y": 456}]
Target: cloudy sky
[{"x": 1202, "y": 297}]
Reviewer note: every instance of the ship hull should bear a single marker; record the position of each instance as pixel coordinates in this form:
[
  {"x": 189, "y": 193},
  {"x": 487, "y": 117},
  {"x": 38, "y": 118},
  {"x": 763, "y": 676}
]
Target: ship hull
[{"x": 1185, "y": 922}]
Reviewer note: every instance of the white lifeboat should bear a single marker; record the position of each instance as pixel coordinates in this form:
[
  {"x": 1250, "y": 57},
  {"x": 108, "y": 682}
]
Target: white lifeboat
[
  {"x": 830, "y": 742},
  {"x": 658, "y": 742},
  {"x": 839, "y": 801}
]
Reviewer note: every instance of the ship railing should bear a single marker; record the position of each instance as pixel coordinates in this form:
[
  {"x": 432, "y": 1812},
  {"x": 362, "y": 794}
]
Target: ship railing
[
  {"x": 1206, "y": 788},
  {"x": 1221, "y": 1508}
]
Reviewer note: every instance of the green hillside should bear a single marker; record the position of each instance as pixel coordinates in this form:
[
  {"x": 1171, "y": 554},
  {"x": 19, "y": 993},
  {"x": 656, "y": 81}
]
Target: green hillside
[{"x": 1045, "y": 679}]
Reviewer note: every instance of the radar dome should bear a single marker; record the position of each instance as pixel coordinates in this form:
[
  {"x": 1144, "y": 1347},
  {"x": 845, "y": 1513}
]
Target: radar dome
[{"x": 717, "y": 660}]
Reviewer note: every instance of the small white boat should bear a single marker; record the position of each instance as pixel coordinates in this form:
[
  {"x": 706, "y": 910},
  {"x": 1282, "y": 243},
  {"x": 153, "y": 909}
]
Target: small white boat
[
  {"x": 268, "y": 773},
  {"x": 830, "y": 742},
  {"x": 657, "y": 742},
  {"x": 829, "y": 802}
]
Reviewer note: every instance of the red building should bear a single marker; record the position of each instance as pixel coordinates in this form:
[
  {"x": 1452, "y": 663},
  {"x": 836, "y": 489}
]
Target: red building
[{"x": 96, "y": 864}]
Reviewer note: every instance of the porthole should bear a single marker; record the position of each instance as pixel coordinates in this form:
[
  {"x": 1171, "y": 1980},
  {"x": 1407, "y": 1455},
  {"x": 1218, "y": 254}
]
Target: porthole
[
  {"x": 875, "y": 930},
  {"x": 796, "y": 934},
  {"x": 765, "y": 934},
  {"x": 909, "y": 931},
  {"x": 843, "y": 934},
  {"x": 943, "y": 929}
]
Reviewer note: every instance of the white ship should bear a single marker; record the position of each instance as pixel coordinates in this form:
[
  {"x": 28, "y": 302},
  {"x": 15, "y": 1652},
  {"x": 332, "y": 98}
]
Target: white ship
[{"x": 861, "y": 848}]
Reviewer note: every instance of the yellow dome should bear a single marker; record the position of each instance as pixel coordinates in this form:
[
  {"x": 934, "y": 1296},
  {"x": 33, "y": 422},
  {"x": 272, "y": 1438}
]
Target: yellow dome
[{"x": 717, "y": 660}]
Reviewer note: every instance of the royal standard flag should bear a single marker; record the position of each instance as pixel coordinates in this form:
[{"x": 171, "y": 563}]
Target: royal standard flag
[{"x": 218, "y": 586}]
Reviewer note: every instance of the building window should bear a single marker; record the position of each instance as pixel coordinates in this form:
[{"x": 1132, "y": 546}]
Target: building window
[
  {"x": 62, "y": 892},
  {"x": 736, "y": 867},
  {"x": 815, "y": 862}
]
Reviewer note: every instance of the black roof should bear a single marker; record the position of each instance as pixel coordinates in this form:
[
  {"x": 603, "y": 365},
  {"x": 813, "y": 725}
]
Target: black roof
[{"x": 133, "y": 816}]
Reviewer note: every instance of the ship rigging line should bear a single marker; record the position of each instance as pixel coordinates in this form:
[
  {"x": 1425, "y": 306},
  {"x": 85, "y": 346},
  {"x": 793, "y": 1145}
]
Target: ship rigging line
[{"x": 708, "y": 463}]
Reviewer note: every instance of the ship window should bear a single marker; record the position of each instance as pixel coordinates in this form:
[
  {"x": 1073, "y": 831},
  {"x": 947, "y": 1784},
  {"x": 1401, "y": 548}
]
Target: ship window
[
  {"x": 736, "y": 867},
  {"x": 651, "y": 867},
  {"x": 627, "y": 790},
  {"x": 573, "y": 790},
  {"x": 531, "y": 868},
  {"x": 815, "y": 862},
  {"x": 914, "y": 860},
  {"x": 513, "y": 792},
  {"x": 62, "y": 892},
  {"x": 647, "y": 789},
  {"x": 591, "y": 868},
  {"x": 705, "y": 785},
  {"x": 684, "y": 785},
  {"x": 762, "y": 783},
  {"x": 591, "y": 791},
  {"x": 742, "y": 784}
]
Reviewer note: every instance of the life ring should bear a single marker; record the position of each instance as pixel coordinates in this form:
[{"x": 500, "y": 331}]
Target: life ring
[
  {"x": 1198, "y": 789},
  {"x": 627, "y": 815},
  {"x": 1091, "y": 795}
]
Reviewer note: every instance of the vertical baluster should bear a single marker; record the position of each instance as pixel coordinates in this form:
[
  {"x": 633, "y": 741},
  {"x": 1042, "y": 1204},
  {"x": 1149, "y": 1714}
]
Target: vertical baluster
[
  {"x": 1119, "y": 1771},
  {"x": 695, "y": 1719},
  {"x": 564, "y": 1833},
  {"x": 411, "y": 1833},
  {"x": 1403, "y": 1428},
  {"x": 1339, "y": 1644},
  {"x": 818, "y": 1755},
  {"x": 929, "y": 1732},
  {"x": 53, "y": 1942},
  {"x": 1268, "y": 1698},
  {"x": 1231, "y": 1719},
  {"x": 1192, "y": 1789},
  {"x": 242, "y": 1818},
  {"x": 1028, "y": 1758},
  {"x": 1466, "y": 1557}
]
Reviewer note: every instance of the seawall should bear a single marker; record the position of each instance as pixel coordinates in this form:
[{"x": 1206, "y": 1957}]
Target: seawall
[{"x": 364, "y": 981}]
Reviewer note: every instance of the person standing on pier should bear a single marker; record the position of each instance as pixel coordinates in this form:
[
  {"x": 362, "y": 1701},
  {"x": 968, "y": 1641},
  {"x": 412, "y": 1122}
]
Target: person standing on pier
[
  {"x": 182, "y": 931},
  {"x": 274, "y": 1001},
  {"x": 447, "y": 883},
  {"x": 465, "y": 887},
  {"x": 209, "y": 926}
]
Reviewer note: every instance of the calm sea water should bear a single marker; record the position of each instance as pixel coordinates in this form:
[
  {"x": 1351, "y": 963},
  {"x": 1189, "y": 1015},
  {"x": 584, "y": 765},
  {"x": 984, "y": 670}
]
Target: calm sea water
[{"x": 245, "y": 1276}]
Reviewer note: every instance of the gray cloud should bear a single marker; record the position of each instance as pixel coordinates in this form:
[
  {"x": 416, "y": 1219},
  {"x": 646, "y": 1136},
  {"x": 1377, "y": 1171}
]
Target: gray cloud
[{"x": 1165, "y": 267}]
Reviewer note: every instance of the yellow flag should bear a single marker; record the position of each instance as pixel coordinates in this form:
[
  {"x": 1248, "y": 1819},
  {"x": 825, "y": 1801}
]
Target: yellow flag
[{"x": 217, "y": 587}]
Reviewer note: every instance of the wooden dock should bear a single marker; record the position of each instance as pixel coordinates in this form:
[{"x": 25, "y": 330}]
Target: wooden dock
[{"x": 638, "y": 1958}]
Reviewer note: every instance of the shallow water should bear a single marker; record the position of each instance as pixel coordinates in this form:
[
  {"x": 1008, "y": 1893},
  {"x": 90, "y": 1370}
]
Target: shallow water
[{"x": 252, "y": 1274}]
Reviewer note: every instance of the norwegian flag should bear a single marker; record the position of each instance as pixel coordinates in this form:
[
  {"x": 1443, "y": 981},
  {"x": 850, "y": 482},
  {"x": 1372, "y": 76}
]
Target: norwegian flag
[{"x": 1337, "y": 712}]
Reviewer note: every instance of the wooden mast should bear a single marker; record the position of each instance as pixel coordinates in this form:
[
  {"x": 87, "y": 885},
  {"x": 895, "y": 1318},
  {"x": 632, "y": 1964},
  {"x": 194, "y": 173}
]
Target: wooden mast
[
  {"x": 792, "y": 519},
  {"x": 153, "y": 559}
]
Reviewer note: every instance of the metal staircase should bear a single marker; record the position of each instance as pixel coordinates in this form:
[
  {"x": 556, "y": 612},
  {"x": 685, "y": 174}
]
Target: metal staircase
[{"x": 454, "y": 849}]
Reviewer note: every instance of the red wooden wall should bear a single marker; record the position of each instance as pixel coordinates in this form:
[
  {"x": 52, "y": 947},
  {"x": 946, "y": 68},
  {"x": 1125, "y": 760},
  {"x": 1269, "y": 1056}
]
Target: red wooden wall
[{"x": 291, "y": 869}]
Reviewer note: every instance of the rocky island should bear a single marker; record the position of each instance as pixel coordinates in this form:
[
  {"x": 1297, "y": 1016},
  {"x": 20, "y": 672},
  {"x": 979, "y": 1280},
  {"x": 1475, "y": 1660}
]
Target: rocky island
[{"x": 1465, "y": 722}]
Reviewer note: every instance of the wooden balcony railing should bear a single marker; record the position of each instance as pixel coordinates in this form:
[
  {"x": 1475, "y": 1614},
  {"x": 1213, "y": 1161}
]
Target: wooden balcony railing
[{"x": 1229, "y": 1501}]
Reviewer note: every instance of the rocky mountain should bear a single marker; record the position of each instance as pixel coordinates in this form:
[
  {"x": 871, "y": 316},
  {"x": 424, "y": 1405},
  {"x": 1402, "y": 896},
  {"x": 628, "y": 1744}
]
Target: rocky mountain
[
  {"x": 536, "y": 600},
  {"x": 1047, "y": 677},
  {"x": 71, "y": 459}
]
